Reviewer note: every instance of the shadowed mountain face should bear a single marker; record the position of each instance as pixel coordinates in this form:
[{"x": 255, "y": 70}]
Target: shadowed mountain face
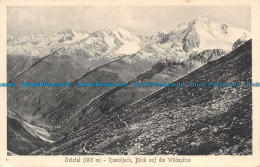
[
  {"x": 24, "y": 137},
  {"x": 49, "y": 107},
  {"x": 109, "y": 55},
  {"x": 20, "y": 140},
  {"x": 180, "y": 120}
]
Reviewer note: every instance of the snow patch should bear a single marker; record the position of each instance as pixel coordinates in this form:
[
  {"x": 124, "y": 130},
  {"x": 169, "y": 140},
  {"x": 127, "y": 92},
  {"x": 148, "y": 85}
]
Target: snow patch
[
  {"x": 128, "y": 48},
  {"x": 40, "y": 132}
]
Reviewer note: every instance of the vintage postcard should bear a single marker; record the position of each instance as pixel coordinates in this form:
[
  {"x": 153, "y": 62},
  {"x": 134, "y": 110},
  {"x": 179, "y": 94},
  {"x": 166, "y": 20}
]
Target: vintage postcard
[{"x": 129, "y": 83}]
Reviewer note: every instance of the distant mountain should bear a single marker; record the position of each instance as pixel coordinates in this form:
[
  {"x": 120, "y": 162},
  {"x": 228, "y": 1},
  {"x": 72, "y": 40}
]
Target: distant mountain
[
  {"x": 203, "y": 34},
  {"x": 192, "y": 37},
  {"x": 42, "y": 45},
  {"x": 195, "y": 36},
  {"x": 85, "y": 50},
  {"x": 112, "y": 39}
]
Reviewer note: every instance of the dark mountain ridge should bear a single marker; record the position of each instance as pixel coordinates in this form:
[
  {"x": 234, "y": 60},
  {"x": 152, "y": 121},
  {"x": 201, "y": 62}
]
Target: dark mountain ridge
[{"x": 205, "y": 120}]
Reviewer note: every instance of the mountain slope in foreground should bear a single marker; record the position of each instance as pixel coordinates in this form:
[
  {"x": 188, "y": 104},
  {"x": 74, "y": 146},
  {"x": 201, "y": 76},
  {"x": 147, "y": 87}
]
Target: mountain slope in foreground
[
  {"x": 20, "y": 140},
  {"x": 185, "y": 121}
]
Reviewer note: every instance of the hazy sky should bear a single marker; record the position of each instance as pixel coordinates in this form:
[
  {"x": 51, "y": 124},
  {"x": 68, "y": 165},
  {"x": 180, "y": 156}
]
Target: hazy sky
[{"x": 139, "y": 20}]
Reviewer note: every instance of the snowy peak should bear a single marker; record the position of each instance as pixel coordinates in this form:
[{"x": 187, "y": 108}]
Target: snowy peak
[
  {"x": 186, "y": 25},
  {"x": 180, "y": 27},
  {"x": 218, "y": 35},
  {"x": 200, "y": 20},
  {"x": 112, "y": 40},
  {"x": 187, "y": 38},
  {"x": 121, "y": 40},
  {"x": 203, "y": 34},
  {"x": 241, "y": 41},
  {"x": 120, "y": 34},
  {"x": 59, "y": 37},
  {"x": 191, "y": 38},
  {"x": 42, "y": 45}
]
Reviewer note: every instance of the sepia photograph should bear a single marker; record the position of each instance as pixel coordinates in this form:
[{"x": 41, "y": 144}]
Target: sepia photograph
[
  {"x": 134, "y": 45},
  {"x": 118, "y": 84}
]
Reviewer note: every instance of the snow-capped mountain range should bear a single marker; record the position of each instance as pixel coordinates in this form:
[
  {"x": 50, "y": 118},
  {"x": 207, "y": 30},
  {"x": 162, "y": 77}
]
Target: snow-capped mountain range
[
  {"x": 193, "y": 37},
  {"x": 198, "y": 35}
]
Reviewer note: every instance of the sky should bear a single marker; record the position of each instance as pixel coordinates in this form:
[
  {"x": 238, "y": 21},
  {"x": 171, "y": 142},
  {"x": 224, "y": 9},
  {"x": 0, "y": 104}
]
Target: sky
[{"x": 140, "y": 20}]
